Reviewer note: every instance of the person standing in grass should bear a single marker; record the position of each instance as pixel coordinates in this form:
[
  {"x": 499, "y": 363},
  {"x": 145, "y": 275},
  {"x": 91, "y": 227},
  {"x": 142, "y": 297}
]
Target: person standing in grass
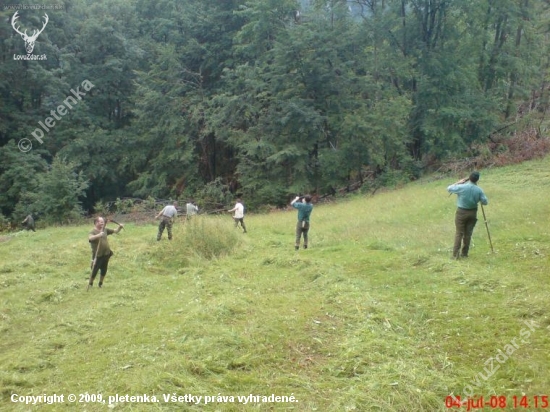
[
  {"x": 28, "y": 223},
  {"x": 239, "y": 214},
  {"x": 101, "y": 252},
  {"x": 167, "y": 216},
  {"x": 304, "y": 207},
  {"x": 469, "y": 195},
  {"x": 192, "y": 209}
]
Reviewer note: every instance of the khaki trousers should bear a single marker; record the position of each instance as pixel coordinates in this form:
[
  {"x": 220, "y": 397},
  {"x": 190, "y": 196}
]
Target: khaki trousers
[
  {"x": 465, "y": 221},
  {"x": 302, "y": 228},
  {"x": 165, "y": 222}
]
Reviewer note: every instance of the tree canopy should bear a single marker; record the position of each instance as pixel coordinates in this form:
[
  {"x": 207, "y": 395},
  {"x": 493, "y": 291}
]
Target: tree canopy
[{"x": 261, "y": 98}]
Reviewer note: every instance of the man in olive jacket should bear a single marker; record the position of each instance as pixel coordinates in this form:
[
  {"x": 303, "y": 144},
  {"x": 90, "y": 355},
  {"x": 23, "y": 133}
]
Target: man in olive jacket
[{"x": 101, "y": 252}]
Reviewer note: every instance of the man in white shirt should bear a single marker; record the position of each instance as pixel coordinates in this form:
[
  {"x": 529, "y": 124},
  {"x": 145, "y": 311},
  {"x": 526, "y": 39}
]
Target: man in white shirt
[
  {"x": 192, "y": 209},
  {"x": 239, "y": 214},
  {"x": 168, "y": 214}
]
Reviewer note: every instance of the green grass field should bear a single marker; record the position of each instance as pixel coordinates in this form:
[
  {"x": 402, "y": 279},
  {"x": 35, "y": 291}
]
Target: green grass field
[{"x": 374, "y": 316}]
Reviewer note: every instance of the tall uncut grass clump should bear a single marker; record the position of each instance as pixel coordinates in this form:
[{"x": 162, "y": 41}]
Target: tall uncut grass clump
[{"x": 209, "y": 237}]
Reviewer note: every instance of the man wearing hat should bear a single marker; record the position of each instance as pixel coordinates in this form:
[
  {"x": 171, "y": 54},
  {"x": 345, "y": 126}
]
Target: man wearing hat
[{"x": 469, "y": 195}]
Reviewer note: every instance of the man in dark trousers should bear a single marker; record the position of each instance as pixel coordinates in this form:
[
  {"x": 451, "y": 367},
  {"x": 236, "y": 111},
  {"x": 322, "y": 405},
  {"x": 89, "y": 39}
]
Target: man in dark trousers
[
  {"x": 28, "y": 223},
  {"x": 167, "y": 216},
  {"x": 304, "y": 207},
  {"x": 469, "y": 195},
  {"x": 101, "y": 252}
]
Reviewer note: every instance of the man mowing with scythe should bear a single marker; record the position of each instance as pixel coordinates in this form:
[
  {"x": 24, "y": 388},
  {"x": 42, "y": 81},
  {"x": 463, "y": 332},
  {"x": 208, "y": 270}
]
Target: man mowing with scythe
[{"x": 101, "y": 252}]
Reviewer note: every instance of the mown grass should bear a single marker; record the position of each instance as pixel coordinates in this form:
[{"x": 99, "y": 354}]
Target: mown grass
[{"x": 373, "y": 316}]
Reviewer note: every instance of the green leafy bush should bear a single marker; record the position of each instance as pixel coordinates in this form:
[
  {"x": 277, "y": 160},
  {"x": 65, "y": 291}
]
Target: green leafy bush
[{"x": 57, "y": 195}]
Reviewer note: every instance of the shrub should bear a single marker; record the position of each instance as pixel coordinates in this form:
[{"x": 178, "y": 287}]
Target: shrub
[
  {"x": 214, "y": 195},
  {"x": 502, "y": 151},
  {"x": 4, "y": 223},
  {"x": 58, "y": 193}
]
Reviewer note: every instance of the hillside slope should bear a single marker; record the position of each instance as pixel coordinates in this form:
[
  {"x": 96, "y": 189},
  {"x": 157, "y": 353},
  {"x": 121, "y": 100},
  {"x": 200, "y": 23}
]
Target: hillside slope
[{"x": 373, "y": 316}]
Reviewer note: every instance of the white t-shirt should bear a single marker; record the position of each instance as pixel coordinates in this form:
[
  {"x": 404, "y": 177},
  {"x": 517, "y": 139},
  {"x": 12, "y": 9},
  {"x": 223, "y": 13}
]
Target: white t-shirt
[
  {"x": 239, "y": 211},
  {"x": 191, "y": 209}
]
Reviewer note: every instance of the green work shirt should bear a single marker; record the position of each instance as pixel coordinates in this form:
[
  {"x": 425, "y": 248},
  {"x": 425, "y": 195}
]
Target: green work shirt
[
  {"x": 469, "y": 194},
  {"x": 304, "y": 211},
  {"x": 104, "y": 248}
]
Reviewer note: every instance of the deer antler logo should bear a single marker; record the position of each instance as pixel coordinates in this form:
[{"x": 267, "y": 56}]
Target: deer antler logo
[{"x": 29, "y": 40}]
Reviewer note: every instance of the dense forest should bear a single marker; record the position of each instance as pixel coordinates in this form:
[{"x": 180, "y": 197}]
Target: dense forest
[{"x": 208, "y": 99}]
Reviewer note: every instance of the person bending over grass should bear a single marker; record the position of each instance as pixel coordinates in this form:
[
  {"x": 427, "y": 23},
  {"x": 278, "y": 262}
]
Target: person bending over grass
[
  {"x": 304, "y": 207},
  {"x": 168, "y": 214},
  {"x": 101, "y": 252}
]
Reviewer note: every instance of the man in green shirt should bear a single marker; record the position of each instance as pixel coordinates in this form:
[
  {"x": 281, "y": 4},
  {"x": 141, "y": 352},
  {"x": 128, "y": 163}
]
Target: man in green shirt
[
  {"x": 101, "y": 252},
  {"x": 304, "y": 212},
  {"x": 469, "y": 195}
]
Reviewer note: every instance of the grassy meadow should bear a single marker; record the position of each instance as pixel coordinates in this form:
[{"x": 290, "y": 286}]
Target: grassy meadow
[{"x": 374, "y": 316}]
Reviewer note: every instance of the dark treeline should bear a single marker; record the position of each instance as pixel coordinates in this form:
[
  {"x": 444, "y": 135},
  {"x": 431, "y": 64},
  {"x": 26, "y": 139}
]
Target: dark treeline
[{"x": 264, "y": 98}]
